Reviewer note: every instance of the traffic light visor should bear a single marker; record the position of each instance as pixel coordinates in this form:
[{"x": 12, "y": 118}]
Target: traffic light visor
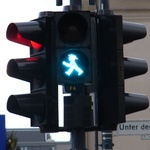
[
  {"x": 135, "y": 102},
  {"x": 133, "y": 31},
  {"x": 26, "y": 105},
  {"x": 27, "y": 69},
  {"x": 13, "y": 34},
  {"x": 134, "y": 67},
  {"x": 72, "y": 28}
]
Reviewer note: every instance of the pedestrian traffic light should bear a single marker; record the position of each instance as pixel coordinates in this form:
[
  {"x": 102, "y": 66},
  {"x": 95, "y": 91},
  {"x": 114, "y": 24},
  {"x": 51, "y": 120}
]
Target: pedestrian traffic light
[
  {"x": 74, "y": 52},
  {"x": 41, "y": 105},
  {"x": 133, "y": 67}
]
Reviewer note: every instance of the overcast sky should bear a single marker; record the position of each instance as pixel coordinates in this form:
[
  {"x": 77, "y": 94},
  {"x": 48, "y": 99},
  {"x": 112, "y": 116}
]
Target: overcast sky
[{"x": 17, "y": 11}]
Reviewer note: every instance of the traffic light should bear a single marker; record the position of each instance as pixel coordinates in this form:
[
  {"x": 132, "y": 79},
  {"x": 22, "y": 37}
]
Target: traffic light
[
  {"x": 113, "y": 68},
  {"x": 74, "y": 57},
  {"x": 133, "y": 67},
  {"x": 110, "y": 72},
  {"x": 41, "y": 105},
  {"x": 74, "y": 52},
  {"x": 60, "y": 53}
]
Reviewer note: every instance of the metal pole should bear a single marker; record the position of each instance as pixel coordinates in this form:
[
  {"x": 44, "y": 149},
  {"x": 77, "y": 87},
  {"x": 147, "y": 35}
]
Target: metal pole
[
  {"x": 74, "y": 5},
  {"x": 78, "y": 139},
  {"x": 58, "y": 2},
  {"x": 107, "y": 140},
  {"x": 75, "y": 2},
  {"x": 103, "y": 4},
  {"x": 95, "y": 119},
  {"x": 103, "y": 7},
  {"x": 96, "y": 140}
]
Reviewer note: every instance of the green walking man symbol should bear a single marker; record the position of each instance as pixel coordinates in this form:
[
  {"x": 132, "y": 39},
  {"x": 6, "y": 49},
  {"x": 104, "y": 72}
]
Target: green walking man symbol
[{"x": 72, "y": 65}]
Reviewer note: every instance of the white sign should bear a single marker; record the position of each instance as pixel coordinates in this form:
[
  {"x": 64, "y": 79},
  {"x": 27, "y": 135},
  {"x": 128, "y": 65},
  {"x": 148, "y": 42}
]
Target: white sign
[
  {"x": 145, "y": 137},
  {"x": 137, "y": 127}
]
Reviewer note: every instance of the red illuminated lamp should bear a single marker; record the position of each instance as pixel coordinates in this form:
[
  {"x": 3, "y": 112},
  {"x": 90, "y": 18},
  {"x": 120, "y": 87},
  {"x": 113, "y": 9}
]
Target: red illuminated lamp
[
  {"x": 32, "y": 59},
  {"x": 25, "y": 34}
]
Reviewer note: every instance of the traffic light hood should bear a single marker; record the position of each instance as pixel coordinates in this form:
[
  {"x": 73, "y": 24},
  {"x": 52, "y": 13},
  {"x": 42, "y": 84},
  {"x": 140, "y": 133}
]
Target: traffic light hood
[
  {"x": 133, "y": 31},
  {"x": 134, "y": 67},
  {"x": 26, "y": 105},
  {"x": 135, "y": 102},
  {"x": 26, "y": 33}
]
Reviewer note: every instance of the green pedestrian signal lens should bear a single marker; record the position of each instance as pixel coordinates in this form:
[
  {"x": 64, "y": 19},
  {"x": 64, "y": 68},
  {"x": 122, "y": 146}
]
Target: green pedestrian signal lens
[{"x": 74, "y": 66}]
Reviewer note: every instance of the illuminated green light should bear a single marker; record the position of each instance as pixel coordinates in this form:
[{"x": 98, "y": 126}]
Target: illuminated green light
[{"x": 72, "y": 65}]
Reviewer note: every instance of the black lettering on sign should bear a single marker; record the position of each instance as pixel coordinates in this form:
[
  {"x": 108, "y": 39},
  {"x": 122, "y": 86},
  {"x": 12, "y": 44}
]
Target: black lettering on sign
[
  {"x": 128, "y": 127},
  {"x": 145, "y": 127}
]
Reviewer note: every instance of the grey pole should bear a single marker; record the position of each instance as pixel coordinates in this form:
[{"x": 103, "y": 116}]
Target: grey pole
[
  {"x": 107, "y": 140},
  {"x": 78, "y": 139},
  {"x": 103, "y": 5}
]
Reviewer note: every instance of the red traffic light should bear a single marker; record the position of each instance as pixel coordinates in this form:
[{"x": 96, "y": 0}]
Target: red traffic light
[
  {"x": 41, "y": 104},
  {"x": 27, "y": 33}
]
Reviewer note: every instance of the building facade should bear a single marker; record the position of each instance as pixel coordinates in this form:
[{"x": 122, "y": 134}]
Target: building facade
[{"x": 33, "y": 139}]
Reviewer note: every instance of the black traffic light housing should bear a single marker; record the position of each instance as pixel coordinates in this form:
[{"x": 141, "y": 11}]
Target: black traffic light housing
[
  {"x": 110, "y": 81},
  {"x": 74, "y": 56},
  {"x": 114, "y": 68},
  {"x": 41, "y": 105},
  {"x": 73, "y": 44},
  {"x": 133, "y": 67}
]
